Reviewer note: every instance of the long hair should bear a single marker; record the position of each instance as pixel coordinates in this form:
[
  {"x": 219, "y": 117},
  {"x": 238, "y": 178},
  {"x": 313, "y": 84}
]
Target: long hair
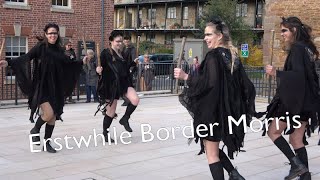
[
  {"x": 301, "y": 32},
  {"x": 222, "y": 28}
]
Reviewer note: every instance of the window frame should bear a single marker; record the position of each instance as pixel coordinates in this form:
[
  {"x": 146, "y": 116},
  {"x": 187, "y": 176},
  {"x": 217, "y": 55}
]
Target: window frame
[
  {"x": 62, "y": 7},
  {"x": 172, "y": 13},
  {"x": 10, "y": 79},
  {"x": 185, "y": 14},
  {"x": 24, "y": 3},
  {"x": 242, "y": 10}
]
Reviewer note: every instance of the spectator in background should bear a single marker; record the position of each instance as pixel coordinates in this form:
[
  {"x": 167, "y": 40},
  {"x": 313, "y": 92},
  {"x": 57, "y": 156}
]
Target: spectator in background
[
  {"x": 72, "y": 57},
  {"x": 147, "y": 74},
  {"x": 91, "y": 76},
  {"x": 195, "y": 66}
]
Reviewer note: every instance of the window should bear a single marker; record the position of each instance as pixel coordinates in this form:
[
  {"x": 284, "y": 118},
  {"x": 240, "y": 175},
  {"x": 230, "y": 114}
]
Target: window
[
  {"x": 140, "y": 19},
  {"x": 185, "y": 13},
  {"x": 16, "y": 1},
  {"x": 61, "y": 3},
  {"x": 16, "y": 4},
  {"x": 151, "y": 37},
  {"x": 200, "y": 13},
  {"x": 169, "y": 38},
  {"x": 152, "y": 14},
  {"x": 242, "y": 10},
  {"x": 171, "y": 13},
  {"x": 15, "y": 46}
]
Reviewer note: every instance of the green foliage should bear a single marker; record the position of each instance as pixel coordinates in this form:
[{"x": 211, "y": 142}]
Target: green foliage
[
  {"x": 255, "y": 56},
  {"x": 226, "y": 10},
  {"x": 152, "y": 48}
]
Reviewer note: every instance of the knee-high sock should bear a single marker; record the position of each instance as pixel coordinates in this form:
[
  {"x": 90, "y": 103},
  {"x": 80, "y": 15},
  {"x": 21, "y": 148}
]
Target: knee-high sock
[
  {"x": 217, "y": 170},
  {"x": 283, "y": 145},
  {"x": 129, "y": 110},
  {"x": 303, "y": 155},
  {"x": 48, "y": 132},
  {"x": 226, "y": 163},
  {"x": 107, "y": 120},
  {"x": 39, "y": 123}
]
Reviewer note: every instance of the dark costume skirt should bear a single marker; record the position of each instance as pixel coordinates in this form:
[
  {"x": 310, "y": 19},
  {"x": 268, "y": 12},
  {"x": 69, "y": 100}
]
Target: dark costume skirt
[
  {"x": 277, "y": 109},
  {"x": 123, "y": 88}
]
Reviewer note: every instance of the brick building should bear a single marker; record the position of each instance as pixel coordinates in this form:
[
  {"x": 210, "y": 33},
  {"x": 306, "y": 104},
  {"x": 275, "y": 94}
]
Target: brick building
[
  {"x": 306, "y": 10},
  {"x": 22, "y": 20},
  {"x": 161, "y": 21}
]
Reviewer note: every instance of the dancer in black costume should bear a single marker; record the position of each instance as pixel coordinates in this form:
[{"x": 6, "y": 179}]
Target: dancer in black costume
[
  {"x": 220, "y": 89},
  {"x": 297, "y": 94},
  {"x": 53, "y": 78},
  {"x": 115, "y": 81}
]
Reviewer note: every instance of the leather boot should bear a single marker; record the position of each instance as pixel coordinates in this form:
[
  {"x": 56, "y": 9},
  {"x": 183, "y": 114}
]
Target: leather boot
[
  {"x": 297, "y": 168},
  {"x": 305, "y": 176},
  {"x": 49, "y": 148},
  {"x": 234, "y": 175},
  {"x": 125, "y": 122},
  {"x": 106, "y": 124}
]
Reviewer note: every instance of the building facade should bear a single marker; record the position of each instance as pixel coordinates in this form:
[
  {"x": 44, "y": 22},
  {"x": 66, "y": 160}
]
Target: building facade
[
  {"x": 161, "y": 21},
  {"x": 306, "y": 10},
  {"x": 22, "y": 20}
]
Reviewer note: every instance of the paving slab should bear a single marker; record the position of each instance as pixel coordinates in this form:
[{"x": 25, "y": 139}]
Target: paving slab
[{"x": 83, "y": 155}]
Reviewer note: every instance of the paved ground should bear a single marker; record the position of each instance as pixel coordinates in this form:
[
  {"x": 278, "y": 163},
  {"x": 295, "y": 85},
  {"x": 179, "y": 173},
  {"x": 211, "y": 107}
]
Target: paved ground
[{"x": 157, "y": 159}]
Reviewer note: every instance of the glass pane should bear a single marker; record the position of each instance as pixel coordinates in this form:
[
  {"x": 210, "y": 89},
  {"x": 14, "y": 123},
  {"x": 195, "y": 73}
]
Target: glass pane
[
  {"x": 8, "y": 41},
  {"x": 23, "y": 41},
  {"x": 22, "y": 50},
  {"x": 15, "y": 53},
  {"x": 7, "y": 49},
  {"x": 15, "y": 41},
  {"x": 65, "y": 2},
  {"x": 59, "y": 2},
  {"x": 53, "y": 2},
  {"x": 8, "y": 53}
]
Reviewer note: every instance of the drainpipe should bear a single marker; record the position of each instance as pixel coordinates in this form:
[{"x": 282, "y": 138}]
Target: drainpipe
[{"x": 102, "y": 24}]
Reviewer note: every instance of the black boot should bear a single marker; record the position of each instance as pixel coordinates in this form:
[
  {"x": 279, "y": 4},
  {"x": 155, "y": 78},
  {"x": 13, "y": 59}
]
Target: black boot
[
  {"x": 297, "y": 168},
  {"x": 305, "y": 176},
  {"x": 319, "y": 142},
  {"x": 125, "y": 122},
  {"x": 234, "y": 175},
  {"x": 106, "y": 124},
  {"x": 47, "y": 147},
  {"x": 125, "y": 119},
  {"x": 303, "y": 156},
  {"x": 36, "y": 130},
  {"x": 47, "y": 135},
  {"x": 216, "y": 171}
]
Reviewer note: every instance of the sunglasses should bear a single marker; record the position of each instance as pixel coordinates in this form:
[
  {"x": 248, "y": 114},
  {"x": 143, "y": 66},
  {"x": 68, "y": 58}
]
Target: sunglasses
[
  {"x": 284, "y": 30},
  {"x": 52, "y": 33}
]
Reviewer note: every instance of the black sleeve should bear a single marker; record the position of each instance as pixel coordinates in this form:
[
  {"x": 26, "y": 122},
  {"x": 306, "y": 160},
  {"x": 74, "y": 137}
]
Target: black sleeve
[
  {"x": 248, "y": 93},
  {"x": 292, "y": 80},
  {"x": 32, "y": 54},
  {"x": 23, "y": 74},
  {"x": 207, "y": 78}
]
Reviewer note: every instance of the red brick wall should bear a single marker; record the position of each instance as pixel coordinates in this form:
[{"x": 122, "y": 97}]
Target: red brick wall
[
  {"x": 306, "y": 10},
  {"x": 86, "y": 16}
]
